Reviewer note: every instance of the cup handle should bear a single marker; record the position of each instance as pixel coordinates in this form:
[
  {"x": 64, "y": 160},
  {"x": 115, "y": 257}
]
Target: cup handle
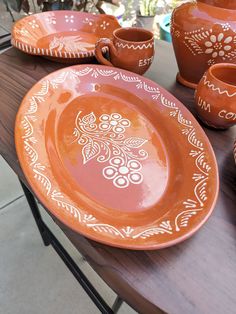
[{"x": 101, "y": 43}]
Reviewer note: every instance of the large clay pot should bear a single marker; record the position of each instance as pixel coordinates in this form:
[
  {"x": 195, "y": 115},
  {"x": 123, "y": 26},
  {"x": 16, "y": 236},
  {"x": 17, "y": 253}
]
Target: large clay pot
[{"x": 203, "y": 33}]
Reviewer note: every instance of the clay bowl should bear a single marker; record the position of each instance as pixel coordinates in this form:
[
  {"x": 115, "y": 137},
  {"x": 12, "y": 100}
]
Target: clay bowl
[
  {"x": 63, "y": 36},
  {"x": 215, "y": 96}
]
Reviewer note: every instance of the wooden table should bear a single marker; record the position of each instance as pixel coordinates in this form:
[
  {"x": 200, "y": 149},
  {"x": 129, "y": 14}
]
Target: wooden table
[{"x": 197, "y": 276}]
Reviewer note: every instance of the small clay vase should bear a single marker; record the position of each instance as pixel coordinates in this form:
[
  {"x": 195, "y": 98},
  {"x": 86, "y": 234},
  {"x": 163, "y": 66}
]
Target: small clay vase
[
  {"x": 215, "y": 96},
  {"x": 203, "y": 34},
  {"x": 130, "y": 49}
]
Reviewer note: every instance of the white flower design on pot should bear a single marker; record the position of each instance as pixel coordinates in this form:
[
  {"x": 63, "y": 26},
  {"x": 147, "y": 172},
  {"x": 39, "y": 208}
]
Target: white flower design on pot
[
  {"x": 113, "y": 122},
  {"x": 225, "y": 26},
  {"x": 218, "y": 45},
  {"x": 122, "y": 174}
]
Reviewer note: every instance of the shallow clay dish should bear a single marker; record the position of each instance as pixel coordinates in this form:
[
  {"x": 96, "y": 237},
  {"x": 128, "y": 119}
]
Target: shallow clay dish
[
  {"x": 66, "y": 36},
  {"x": 116, "y": 157}
]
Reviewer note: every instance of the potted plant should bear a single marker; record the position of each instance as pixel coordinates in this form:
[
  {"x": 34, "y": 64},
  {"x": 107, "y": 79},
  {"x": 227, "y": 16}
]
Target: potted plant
[
  {"x": 146, "y": 13},
  {"x": 164, "y": 17}
]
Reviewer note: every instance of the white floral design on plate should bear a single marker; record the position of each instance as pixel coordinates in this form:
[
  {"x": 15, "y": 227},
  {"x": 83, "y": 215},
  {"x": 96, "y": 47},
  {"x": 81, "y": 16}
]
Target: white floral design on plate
[
  {"x": 51, "y": 20},
  {"x": 104, "y": 25},
  {"x": 218, "y": 45},
  {"x": 104, "y": 139},
  {"x": 114, "y": 122},
  {"x": 121, "y": 174},
  {"x": 22, "y": 32},
  {"x": 69, "y": 18},
  {"x": 88, "y": 21},
  {"x": 70, "y": 44},
  {"x": 34, "y": 24}
]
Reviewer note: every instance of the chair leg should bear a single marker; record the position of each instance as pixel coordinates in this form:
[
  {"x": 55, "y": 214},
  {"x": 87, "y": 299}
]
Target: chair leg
[{"x": 36, "y": 213}]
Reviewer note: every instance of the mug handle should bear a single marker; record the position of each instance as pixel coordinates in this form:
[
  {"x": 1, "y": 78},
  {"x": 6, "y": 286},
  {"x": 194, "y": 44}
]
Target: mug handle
[{"x": 101, "y": 43}]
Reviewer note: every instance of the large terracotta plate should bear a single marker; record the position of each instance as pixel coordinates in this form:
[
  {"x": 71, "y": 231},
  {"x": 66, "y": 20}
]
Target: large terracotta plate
[
  {"x": 62, "y": 35},
  {"x": 116, "y": 157}
]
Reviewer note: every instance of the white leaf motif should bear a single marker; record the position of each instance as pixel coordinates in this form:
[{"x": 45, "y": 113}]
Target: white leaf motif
[
  {"x": 89, "y": 151},
  {"x": 89, "y": 119},
  {"x": 134, "y": 142}
]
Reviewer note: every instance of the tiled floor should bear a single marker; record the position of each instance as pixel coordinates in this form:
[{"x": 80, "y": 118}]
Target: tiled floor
[
  {"x": 33, "y": 279},
  {"x": 10, "y": 189}
]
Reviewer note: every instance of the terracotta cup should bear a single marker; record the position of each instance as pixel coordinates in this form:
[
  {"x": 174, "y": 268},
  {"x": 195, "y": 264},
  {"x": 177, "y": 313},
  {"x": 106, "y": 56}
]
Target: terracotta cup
[
  {"x": 215, "y": 96},
  {"x": 130, "y": 49}
]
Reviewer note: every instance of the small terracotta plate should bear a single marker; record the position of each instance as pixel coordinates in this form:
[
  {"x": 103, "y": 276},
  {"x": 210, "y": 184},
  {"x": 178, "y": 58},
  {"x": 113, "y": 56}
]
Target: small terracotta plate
[
  {"x": 116, "y": 157},
  {"x": 66, "y": 36}
]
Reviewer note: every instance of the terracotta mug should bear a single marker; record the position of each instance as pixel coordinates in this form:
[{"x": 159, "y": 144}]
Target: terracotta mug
[
  {"x": 215, "y": 96},
  {"x": 130, "y": 49}
]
